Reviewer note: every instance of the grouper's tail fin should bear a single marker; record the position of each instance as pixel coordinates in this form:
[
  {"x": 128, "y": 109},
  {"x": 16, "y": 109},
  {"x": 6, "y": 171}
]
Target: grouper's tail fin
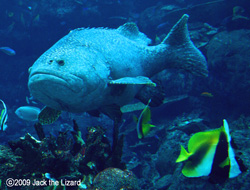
[{"x": 185, "y": 55}]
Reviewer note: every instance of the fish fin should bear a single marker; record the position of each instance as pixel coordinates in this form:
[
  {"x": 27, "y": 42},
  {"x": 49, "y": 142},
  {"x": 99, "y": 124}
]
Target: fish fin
[
  {"x": 112, "y": 111},
  {"x": 131, "y": 31},
  {"x": 234, "y": 166},
  {"x": 226, "y": 129},
  {"x": 190, "y": 58},
  {"x": 48, "y": 116},
  {"x": 146, "y": 129},
  {"x": 4, "y": 127},
  {"x": 139, "y": 80},
  {"x": 152, "y": 125},
  {"x": 156, "y": 94},
  {"x": 184, "y": 155},
  {"x": 179, "y": 33},
  {"x": 140, "y": 136}
]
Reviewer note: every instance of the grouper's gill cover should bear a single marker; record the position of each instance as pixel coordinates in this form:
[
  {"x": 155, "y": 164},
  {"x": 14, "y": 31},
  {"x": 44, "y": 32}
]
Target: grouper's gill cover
[{"x": 78, "y": 73}]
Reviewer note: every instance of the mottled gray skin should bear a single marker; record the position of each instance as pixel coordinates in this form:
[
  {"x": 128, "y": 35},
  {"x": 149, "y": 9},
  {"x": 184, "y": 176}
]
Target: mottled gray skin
[{"x": 74, "y": 74}]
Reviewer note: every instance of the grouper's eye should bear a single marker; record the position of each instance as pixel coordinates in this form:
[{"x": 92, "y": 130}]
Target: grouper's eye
[{"x": 60, "y": 62}]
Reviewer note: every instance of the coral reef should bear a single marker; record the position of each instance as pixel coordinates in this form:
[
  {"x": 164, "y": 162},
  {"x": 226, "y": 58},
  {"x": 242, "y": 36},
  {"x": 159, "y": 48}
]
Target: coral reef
[
  {"x": 99, "y": 154},
  {"x": 8, "y": 162},
  {"x": 66, "y": 157}
]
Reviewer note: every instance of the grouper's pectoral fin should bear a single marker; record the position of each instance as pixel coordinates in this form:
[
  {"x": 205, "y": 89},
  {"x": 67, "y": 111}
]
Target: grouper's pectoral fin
[
  {"x": 139, "y": 80},
  {"x": 48, "y": 116}
]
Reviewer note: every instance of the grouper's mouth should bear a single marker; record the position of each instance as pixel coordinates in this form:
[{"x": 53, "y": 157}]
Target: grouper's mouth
[
  {"x": 55, "y": 78},
  {"x": 58, "y": 90}
]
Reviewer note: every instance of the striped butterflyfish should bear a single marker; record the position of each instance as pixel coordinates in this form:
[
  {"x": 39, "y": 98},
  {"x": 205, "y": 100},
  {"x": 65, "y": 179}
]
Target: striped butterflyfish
[
  {"x": 143, "y": 122},
  {"x": 3, "y": 117},
  {"x": 209, "y": 154}
]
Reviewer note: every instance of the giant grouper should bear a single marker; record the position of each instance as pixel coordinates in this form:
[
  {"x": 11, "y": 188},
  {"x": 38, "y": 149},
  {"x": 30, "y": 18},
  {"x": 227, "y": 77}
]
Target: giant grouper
[{"x": 98, "y": 70}]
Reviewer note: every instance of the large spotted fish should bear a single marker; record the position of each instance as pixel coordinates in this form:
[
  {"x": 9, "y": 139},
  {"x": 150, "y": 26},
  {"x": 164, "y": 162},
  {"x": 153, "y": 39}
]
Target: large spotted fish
[{"x": 102, "y": 69}]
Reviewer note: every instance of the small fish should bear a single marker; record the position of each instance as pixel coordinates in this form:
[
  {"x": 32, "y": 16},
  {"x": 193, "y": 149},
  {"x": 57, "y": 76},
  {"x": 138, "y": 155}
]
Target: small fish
[
  {"x": 118, "y": 17},
  {"x": 10, "y": 28},
  {"x": 28, "y": 113},
  {"x": 238, "y": 13},
  {"x": 30, "y": 100},
  {"x": 207, "y": 94},
  {"x": 27, "y": 100},
  {"x": 3, "y": 117},
  {"x": 210, "y": 154},
  {"x": 8, "y": 51},
  {"x": 10, "y": 14},
  {"x": 33, "y": 102},
  {"x": 162, "y": 25},
  {"x": 81, "y": 2},
  {"x": 22, "y": 20},
  {"x": 169, "y": 7},
  {"x": 143, "y": 126}
]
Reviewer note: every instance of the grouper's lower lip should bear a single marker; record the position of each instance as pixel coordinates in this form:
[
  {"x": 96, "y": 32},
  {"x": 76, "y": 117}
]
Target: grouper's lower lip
[{"x": 70, "y": 81}]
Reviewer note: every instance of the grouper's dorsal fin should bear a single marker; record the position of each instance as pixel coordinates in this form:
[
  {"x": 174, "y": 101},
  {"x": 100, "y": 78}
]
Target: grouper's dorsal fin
[
  {"x": 139, "y": 80},
  {"x": 131, "y": 31},
  {"x": 179, "y": 33}
]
